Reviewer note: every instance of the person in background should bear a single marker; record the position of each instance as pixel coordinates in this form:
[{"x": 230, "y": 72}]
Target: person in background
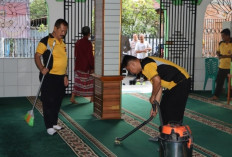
[
  {"x": 125, "y": 44},
  {"x": 125, "y": 47},
  {"x": 55, "y": 80},
  {"x": 142, "y": 48},
  {"x": 224, "y": 54},
  {"x": 84, "y": 67},
  {"x": 133, "y": 44}
]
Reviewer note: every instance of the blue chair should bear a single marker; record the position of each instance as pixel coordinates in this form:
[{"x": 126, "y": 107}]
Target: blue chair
[{"x": 211, "y": 69}]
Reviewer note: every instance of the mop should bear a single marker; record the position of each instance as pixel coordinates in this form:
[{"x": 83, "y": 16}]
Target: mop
[{"x": 29, "y": 117}]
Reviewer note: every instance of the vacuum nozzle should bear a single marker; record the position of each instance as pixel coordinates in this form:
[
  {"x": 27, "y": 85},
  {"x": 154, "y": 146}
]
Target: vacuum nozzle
[{"x": 117, "y": 141}]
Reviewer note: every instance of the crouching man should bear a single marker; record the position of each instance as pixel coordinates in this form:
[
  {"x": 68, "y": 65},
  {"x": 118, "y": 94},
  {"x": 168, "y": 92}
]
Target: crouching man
[{"x": 163, "y": 74}]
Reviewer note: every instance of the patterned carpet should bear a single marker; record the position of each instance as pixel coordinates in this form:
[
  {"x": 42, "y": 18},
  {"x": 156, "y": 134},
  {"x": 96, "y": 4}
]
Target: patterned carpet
[
  {"x": 214, "y": 124},
  {"x": 87, "y": 136},
  {"x": 201, "y": 115}
]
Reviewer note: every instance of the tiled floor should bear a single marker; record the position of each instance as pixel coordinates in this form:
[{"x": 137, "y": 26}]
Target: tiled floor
[{"x": 127, "y": 88}]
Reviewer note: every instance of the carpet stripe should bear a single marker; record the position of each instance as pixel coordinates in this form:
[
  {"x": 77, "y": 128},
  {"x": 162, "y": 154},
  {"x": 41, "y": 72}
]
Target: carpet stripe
[
  {"x": 209, "y": 122},
  {"x": 211, "y": 118},
  {"x": 80, "y": 148},
  {"x": 152, "y": 132},
  {"x": 208, "y": 102},
  {"x": 205, "y": 121},
  {"x": 205, "y": 99},
  {"x": 98, "y": 144}
]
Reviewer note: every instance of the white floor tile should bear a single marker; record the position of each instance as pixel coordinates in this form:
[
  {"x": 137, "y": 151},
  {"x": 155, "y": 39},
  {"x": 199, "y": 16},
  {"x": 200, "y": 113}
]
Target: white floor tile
[{"x": 127, "y": 88}]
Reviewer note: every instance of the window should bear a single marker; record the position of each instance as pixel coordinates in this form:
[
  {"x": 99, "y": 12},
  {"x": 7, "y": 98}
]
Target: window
[{"x": 22, "y": 27}]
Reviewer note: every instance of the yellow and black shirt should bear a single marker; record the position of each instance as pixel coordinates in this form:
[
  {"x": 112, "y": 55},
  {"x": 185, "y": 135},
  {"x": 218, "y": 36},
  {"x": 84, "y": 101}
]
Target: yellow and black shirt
[
  {"x": 170, "y": 73},
  {"x": 59, "y": 56},
  {"x": 225, "y": 49}
]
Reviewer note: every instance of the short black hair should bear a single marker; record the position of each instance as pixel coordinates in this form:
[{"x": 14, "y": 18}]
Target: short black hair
[
  {"x": 85, "y": 30},
  {"x": 59, "y": 22},
  {"x": 126, "y": 59},
  {"x": 226, "y": 31}
]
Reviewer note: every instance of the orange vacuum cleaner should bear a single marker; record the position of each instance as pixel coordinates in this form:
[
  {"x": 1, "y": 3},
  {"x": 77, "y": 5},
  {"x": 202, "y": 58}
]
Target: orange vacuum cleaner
[{"x": 175, "y": 140}]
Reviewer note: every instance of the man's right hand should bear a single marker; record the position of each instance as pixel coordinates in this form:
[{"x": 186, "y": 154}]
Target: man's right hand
[{"x": 44, "y": 71}]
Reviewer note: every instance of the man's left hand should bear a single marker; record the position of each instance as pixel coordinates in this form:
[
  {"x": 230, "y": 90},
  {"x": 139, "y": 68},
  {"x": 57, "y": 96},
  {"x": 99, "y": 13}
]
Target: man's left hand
[
  {"x": 65, "y": 81},
  {"x": 153, "y": 113},
  {"x": 152, "y": 99}
]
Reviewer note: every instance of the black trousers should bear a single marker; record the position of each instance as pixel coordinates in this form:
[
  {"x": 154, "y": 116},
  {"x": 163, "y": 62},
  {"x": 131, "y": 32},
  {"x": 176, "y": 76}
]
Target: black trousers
[
  {"x": 52, "y": 93},
  {"x": 221, "y": 76},
  {"x": 173, "y": 102}
]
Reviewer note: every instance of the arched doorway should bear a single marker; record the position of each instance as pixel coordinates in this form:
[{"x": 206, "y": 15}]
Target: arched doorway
[{"x": 217, "y": 14}]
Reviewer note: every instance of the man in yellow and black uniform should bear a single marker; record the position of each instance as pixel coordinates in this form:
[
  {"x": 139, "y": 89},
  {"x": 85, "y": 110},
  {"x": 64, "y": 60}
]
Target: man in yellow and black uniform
[
  {"x": 55, "y": 80},
  {"x": 224, "y": 53},
  {"x": 163, "y": 74}
]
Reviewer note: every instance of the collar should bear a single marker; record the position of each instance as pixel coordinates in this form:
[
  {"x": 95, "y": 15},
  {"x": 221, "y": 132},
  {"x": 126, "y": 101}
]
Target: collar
[
  {"x": 85, "y": 37},
  {"x": 57, "y": 41},
  {"x": 50, "y": 35}
]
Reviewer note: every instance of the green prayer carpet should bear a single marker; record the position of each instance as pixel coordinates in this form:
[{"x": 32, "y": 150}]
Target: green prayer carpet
[
  {"x": 106, "y": 131},
  {"x": 206, "y": 136},
  {"x": 18, "y": 139},
  {"x": 208, "y": 94},
  {"x": 210, "y": 124}
]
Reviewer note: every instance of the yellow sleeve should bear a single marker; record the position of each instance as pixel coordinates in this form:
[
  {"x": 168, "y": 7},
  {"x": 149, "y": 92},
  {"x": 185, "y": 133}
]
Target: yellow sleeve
[
  {"x": 41, "y": 48},
  {"x": 150, "y": 70}
]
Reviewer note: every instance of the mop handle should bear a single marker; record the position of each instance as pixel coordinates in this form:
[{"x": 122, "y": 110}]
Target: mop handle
[{"x": 37, "y": 95}]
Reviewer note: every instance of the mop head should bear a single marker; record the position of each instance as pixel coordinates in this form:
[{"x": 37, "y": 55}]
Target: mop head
[{"x": 29, "y": 118}]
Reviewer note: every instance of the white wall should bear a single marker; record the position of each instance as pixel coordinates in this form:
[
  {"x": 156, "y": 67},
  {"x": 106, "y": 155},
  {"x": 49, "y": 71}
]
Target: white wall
[
  {"x": 199, "y": 60},
  {"x": 109, "y": 54},
  {"x": 112, "y": 31},
  {"x": 98, "y": 37},
  {"x": 56, "y": 11},
  {"x": 20, "y": 76}
]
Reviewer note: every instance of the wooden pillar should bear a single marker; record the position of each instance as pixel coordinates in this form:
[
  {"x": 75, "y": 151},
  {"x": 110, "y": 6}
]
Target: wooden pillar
[
  {"x": 107, "y": 92},
  {"x": 107, "y": 97}
]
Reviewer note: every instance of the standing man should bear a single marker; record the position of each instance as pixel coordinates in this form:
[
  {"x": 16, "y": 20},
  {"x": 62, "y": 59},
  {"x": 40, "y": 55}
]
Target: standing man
[
  {"x": 163, "y": 74},
  {"x": 55, "y": 80},
  {"x": 224, "y": 54},
  {"x": 142, "y": 48},
  {"x": 133, "y": 44}
]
